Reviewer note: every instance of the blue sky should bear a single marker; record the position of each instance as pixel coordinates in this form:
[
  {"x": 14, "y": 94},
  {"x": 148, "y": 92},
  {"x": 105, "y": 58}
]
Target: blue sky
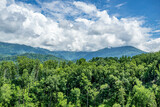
[{"x": 81, "y": 25}]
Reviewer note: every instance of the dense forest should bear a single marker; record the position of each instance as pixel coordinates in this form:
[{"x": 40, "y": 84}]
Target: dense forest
[{"x": 99, "y": 82}]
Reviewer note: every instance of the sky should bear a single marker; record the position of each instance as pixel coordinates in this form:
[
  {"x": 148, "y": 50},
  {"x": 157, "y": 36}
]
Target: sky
[{"x": 81, "y": 25}]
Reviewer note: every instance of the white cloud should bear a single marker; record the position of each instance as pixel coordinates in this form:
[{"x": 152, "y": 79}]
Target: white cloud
[
  {"x": 87, "y": 8},
  {"x": 2, "y": 4},
  {"x": 156, "y": 31},
  {"x": 75, "y": 26},
  {"x": 151, "y": 46},
  {"x": 120, "y": 5}
]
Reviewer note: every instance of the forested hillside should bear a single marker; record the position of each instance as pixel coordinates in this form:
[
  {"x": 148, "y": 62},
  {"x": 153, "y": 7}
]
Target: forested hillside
[
  {"x": 41, "y": 57},
  {"x": 100, "y": 82},
  {"x": 8, "y": 49}
]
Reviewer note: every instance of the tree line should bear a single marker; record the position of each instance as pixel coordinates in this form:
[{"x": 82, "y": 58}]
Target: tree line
[{"x": 99, "y": 82}]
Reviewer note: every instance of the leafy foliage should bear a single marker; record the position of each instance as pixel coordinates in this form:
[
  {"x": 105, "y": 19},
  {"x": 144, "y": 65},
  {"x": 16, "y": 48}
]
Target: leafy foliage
[{"x": 99, "y": 82}]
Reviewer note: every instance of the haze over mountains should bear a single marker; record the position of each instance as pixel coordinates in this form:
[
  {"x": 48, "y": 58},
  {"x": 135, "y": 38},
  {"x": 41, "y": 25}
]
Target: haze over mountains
[{"x": 8, "y": 49}]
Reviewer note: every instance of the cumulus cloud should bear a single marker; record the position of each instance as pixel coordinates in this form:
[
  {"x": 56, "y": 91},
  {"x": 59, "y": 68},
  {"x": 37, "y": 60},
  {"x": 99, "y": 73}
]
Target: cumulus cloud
[
  {"x": 71, "y": 26},
  {"x": 151, "y": 46},
  {"x": 3, "y": 4},
  {"x": 87, "y": 8}
]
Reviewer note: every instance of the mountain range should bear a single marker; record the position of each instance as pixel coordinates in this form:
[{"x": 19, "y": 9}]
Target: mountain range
[
  {"x": 9, "y": 49},
  {"x": 41, "y": 57}
]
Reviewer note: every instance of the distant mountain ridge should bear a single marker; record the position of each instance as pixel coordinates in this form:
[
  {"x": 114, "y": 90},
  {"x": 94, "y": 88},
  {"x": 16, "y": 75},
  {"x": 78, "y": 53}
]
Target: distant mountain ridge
[
  {"x": 8, "y": 49},
  {"x": 14, "y": 49},
  {"x": 41, "y": 57}
]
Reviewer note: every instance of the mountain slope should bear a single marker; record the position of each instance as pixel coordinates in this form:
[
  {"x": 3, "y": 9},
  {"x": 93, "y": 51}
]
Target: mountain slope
[
  {"x": 7, "y": 49},
  {"x": 14, "y": 49},
  {"x": 41, "y": 57},
  {"x": 115, "y": 52}
]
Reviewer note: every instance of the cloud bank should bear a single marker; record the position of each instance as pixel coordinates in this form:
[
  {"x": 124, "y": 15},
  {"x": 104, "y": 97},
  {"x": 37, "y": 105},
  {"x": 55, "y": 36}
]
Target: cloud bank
[{"x": 71, "y": 26}]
